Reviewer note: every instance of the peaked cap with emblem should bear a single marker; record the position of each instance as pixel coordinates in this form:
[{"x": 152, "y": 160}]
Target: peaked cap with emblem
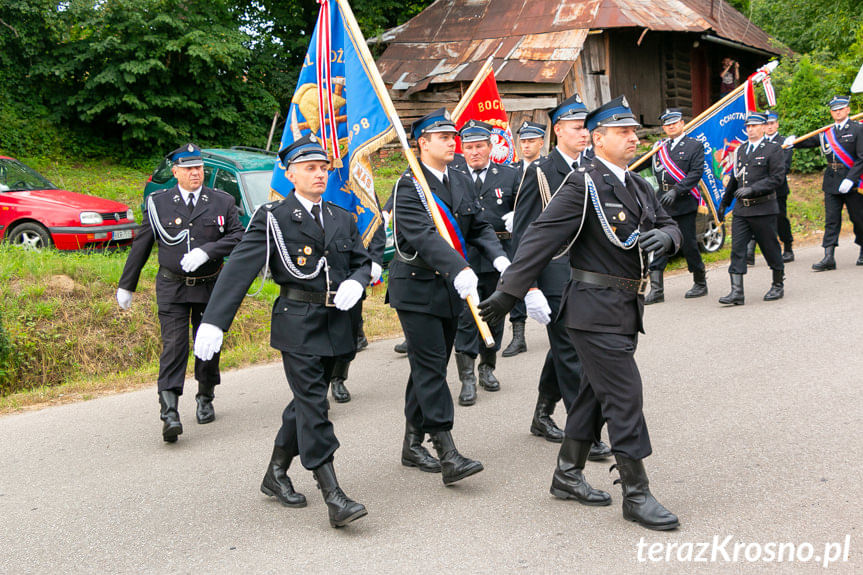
[
  {"x": 475, "y": 131},
  {"x": 613, "y": 113},
  {"x": 306, "y": 149},
  {"x": 755, "y": 119},
  {"x": 839, "y": 102},
  {"x": 671, "y": 116},
  {"x": 437, "y": 121},
  {"x": 532, "y": 130},
  {"x": 572, "y": 108},
  {"x": 187, "y": 156}
]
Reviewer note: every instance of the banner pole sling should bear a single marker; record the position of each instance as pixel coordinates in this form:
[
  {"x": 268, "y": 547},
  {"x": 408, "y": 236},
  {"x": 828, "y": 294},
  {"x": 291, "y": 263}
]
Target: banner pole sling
[{"x": 381, "y": 88}]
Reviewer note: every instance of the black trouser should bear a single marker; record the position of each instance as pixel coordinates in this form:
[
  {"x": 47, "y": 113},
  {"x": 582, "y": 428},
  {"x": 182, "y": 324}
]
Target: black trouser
[
  {"x": 833, "y": 203},
  {"x": 688, "y": 245},
  {"x": 611, "y": 388},
  {"x": 783, "y": 224},
  {"x": 763, "y": 229},
  {"x": 428, "y": 402},
  {"x": 467, "y": 338},
  {"x": 518, "y": 313},
  {"x": 174, "y": 319},
  {"x": 562, "y": 371},
  {"x": 306, "y": 428}
]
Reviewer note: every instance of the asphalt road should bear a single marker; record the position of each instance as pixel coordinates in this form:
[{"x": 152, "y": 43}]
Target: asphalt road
[{"x": 754, "y": 412}]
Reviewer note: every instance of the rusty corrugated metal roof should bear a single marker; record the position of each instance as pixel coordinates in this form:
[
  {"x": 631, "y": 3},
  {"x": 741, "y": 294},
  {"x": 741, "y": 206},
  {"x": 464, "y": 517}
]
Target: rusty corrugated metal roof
[{"x": 449, "y": 40}]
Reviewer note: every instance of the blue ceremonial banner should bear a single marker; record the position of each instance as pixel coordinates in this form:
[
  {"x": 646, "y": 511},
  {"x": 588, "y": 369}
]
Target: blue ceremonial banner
[
  {"x": 720, "y": 132},
  {"x": 336, "y": 100}
]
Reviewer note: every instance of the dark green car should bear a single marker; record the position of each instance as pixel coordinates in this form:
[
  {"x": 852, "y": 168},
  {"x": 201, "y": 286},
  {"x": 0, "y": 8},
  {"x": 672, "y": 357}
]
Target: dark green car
[{"x": 243, "y": 172}]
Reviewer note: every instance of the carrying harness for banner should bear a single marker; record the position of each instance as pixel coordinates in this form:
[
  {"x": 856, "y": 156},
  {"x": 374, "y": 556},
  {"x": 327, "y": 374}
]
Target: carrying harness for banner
[
  {"x": 446, "y": 215},
  {"x": 839, "y": 151},
  {"x": 674, "y": 171}
]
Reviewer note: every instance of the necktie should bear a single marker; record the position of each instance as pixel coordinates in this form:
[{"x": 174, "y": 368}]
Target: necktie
[
  {"x": 446, "y": 182},
  {"x": 575, "y": 164},
  {"x": 191, "y": 204},
  {"x": 316, "y": 214},
  {"x": 477, "y": 181}
]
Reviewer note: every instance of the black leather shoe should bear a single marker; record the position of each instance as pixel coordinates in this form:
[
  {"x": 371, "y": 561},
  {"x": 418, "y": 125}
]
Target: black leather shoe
[
  {"x": 485, "y": 371},
  {"x": 777, "y": 288},
  {"x": 341, "y": 508},
  {"x": 465, "y": 364},
  {"x": 454, "y": 466},
  {"x": 828, "y": 262},
  {"x": 735, "y": 296},
  {"x": 362, "y": 341},
  {"x": 401, "y": 347},
  {"x": 599, "y": 451},
  {"x": 205, "y": 413},
  {"x": 171, "y": 428},
  {"x": 639, "y": 504},
  {"x": 542, "y": 424},
  {"x": 337, "y": 381},
  {"x": 414, "y": 454},
  {"x": 518, "y": 344},
  {"x": 568, "y": 481},
  {"x": 860, "y": 257},
  {"x": 657, "y": 288},
  {"x": 788, "y": 255},
  {"x": 276, "y": 482}
]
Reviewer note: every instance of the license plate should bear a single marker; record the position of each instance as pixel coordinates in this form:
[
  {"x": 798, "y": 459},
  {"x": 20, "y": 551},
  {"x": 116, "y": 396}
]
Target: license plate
[{"x": 122, "y": 234}]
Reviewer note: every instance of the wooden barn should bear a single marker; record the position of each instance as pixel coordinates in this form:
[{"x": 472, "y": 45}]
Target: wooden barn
[{"x": 659, "y": 53}]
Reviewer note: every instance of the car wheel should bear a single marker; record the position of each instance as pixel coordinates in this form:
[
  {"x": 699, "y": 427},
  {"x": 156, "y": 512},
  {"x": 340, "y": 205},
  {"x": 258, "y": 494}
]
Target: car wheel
[
  {"x": 713, "y": 237},
  {"x": 30, "y": 236}
]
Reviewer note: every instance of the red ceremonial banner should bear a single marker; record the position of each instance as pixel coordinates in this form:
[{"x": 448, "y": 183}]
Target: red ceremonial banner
[{"x": 486, "y": 106}]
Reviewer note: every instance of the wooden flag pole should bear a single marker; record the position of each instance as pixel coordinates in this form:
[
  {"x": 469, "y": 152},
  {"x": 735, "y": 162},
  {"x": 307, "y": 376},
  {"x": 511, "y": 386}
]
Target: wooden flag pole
[
  {"x": 471, "y": 90},
  {"x": 822, "y": 129},
  {"x": 697, "y": 120},
  {"x": 384, "y": 96}
]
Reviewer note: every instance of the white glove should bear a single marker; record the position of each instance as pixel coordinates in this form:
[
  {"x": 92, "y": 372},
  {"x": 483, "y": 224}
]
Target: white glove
[
  {"x": 348, "y": 294},
  {"x": 193, "y": 260},
  {"x": 845, "y": 186},
  {"x": 208, "y": 341},
  {"x": 377, "y": 270},
  {"x": 465, "y": 283},
  {"x": 537, "y": 306},
  {"x": 500, "y": 263},
  {"x": 124, "y": 298},
  {"x": 507, "y": 221},
  {"x": 789, "y": 142}
]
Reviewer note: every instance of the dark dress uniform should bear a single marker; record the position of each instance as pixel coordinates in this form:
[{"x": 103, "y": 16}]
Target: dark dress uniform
[
  {"x": 688, "y": 155},
  {"x": 496, "y": 191},
  {"x": 562, "y": 371},
  {"x": 850, "y": 137},
  {"x": 758, "y": 173},
  {"x": 213, "y": 226},
  {"x": 421, "y": 291},
  {"x": 309, "y": 333},
  {"x": 783, "y": 224}
]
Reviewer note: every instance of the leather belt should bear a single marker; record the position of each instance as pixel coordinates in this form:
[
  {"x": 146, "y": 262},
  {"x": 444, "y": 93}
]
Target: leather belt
[
  {"x": 504, "y": 235},
  {"x": 625, "y": 284},
  {"x": 748, "y": 202},
  {"x": 190, "y": 281},
  {"x": 835, "y": 166},
  {"x": 318, "y": 297},
  {"x": 666, "y": 187}
]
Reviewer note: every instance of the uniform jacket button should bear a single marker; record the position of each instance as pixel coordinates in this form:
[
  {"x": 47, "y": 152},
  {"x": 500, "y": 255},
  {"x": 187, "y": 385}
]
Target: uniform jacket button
[
  {"x": 326, "y": 252},
  {"x": 191, "y": 224}
]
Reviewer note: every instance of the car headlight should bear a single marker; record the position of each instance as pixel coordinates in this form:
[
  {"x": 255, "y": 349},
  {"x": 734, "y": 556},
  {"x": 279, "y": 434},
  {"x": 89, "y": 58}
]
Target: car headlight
[
  {"x": 130, "y": 215},
  {"x": 89, "y": 218}
]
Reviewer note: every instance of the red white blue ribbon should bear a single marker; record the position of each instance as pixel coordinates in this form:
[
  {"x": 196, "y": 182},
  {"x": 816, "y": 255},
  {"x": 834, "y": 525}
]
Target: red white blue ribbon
[
  {"x": 839, "y": 151},
  {"x": 672, "y": 170},
  {"x": 326, "y": 110},
  {"x": 452, "y": 227}
]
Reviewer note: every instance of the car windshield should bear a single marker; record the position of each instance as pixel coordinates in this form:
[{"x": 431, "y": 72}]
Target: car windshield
[
  {"x": 257, "y": 186},
  {"x": 16, "y": 177}
]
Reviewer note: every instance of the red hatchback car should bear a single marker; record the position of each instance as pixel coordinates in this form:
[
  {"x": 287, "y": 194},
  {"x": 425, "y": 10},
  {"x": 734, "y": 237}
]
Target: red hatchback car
[{"x": 35, "y": 214}]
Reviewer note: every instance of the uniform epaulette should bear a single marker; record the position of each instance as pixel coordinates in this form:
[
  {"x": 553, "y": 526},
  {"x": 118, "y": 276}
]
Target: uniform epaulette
[
  {"x": 221, "y": 191},
  {"x": 272, "y": 205},
  {"x": 329, "y": 203}
]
